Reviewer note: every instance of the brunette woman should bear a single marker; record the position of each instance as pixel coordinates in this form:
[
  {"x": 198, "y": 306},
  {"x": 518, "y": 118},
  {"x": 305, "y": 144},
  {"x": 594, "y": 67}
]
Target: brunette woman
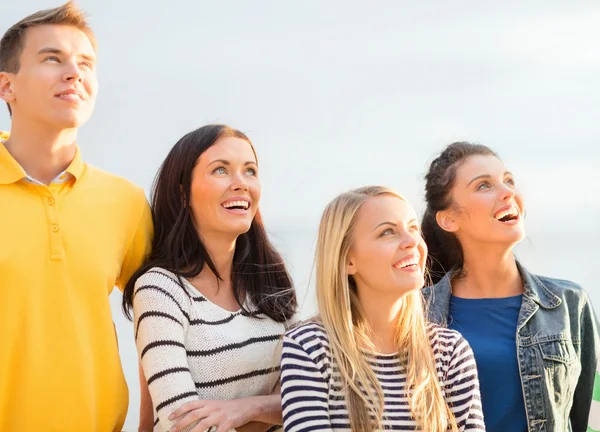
[
  {"x": 535, "y": 338},
  {"x": 213, "y": 300}
]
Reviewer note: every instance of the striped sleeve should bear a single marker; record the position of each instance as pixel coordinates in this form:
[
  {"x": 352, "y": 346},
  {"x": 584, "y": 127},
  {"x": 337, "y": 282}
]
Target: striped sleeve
[
  {"x": 462, "y": 388},
  {"x": 304, "y": 386},
  {"x": 159, "y": 321}
]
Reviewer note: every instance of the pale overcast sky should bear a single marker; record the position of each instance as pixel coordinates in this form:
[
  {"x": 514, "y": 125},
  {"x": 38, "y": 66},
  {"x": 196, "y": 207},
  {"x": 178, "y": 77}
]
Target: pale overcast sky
[{"x": 338, "y": 94}]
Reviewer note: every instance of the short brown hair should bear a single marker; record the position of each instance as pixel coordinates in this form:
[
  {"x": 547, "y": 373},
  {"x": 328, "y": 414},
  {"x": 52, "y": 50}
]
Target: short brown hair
[{"x": 11, "y": 44}]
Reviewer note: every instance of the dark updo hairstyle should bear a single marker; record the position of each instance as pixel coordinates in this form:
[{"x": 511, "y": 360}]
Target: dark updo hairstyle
[
  {"x": 445, "y": 251},
  {"x": 258, "y": 270}
]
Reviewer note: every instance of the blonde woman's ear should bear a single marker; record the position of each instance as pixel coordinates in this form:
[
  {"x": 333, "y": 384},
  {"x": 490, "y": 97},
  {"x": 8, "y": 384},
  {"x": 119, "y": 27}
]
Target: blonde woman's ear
[{"x": 351, "y": 268}]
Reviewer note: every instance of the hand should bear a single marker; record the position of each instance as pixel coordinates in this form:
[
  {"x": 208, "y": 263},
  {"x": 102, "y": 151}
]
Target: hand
[{"x": 224, "y": 414}]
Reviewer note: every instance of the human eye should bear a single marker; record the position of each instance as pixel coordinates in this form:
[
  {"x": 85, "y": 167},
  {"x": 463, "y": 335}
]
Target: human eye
[
  {"x": 414, "y": 228},
  {"x": 53, "y": 59},
  {"x": 483, "y": 185},
  {"x": 220, "y": 170},
  {"x": 251, "y": 172},
  {"x": 87, "y": 65},
  {"x": 387, "y": 232},
  {"x": 510, "y": 181}
]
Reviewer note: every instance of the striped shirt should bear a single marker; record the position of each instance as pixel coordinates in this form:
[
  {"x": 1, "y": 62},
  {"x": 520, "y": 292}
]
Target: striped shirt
[
  {"x": 192, "y": 349},
  {"x": 313, "y": 399},
  {"x": 595, "y": 408}
]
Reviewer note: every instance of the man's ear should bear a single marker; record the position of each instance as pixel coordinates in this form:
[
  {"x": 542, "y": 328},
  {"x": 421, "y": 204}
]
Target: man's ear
[
  {"x": 446, "y": 219},
  {"x": 6, "y": 87}
]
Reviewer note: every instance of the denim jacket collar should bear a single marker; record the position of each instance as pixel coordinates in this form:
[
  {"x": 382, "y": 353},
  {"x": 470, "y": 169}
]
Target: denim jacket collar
[
  {"x": 439, "y": 296},
  {"x": 537, "y": 291}
]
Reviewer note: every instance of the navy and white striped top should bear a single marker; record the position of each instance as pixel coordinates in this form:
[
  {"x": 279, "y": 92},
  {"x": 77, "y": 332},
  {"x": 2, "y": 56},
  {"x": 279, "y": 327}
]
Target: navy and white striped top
[{"x": 313, "y": 399}]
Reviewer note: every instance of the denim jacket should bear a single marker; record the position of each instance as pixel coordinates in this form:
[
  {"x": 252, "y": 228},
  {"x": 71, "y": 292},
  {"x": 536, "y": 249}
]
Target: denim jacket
[{"x": 557, "y": 348}]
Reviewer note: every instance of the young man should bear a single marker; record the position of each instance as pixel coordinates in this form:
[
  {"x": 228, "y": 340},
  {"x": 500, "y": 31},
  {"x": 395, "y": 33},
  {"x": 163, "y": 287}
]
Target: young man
[{"x": 69, "y": 233}]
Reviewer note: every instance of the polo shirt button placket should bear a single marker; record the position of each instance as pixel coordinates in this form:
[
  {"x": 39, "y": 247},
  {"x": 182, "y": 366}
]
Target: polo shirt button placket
[{"x": 56, "y": 250}]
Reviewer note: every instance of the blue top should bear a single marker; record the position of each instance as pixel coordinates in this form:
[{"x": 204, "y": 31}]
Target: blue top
[
  {"x": 561, "y": 351},
  {"x": 490, "y": 327}
]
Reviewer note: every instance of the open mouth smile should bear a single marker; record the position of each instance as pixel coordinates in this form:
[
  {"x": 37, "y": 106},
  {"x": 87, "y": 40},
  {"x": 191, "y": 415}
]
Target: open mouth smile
[
  {"x": 508, "y": 214},
  {"x": 410, "y": 263},
  {"x": 237, "y": 205}
]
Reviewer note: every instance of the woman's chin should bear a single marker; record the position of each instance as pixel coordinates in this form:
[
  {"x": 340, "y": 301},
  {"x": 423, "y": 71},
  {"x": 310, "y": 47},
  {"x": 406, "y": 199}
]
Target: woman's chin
[
  {"x": 515, "y": 237},
  {"x": 406, "y": 287},
  {"x": 238, "y": 229},
  {"x": 509, "y": 237}
]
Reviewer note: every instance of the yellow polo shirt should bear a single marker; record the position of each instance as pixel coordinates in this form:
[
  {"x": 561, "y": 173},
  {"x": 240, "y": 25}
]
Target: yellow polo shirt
[{"x": 63, "y": 248}]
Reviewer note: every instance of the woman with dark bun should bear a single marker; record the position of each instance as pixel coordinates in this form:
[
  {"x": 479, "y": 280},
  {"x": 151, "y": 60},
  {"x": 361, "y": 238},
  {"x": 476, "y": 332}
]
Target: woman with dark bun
[{"x": 535, "y": 338}]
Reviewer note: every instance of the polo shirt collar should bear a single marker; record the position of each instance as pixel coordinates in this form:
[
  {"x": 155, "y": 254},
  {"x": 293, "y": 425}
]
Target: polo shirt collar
[
  {"x": 76, "y": 166},
  {"x": 12, "y": 172}
]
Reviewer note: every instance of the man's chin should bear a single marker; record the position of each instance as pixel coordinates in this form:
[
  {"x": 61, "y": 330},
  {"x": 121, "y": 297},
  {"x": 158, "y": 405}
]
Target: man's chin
[{"x": 71, "y": 120}]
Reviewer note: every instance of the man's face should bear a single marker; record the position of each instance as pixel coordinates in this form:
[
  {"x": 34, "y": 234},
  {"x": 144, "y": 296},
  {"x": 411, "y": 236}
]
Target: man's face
[{"x": 56, "y": 83}]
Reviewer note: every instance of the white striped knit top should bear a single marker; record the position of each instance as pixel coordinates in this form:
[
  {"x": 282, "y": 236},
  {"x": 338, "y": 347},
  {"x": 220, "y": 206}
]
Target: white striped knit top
[
  {"x": 192, "y": 349},
  {"x": 313, "y": 399}
]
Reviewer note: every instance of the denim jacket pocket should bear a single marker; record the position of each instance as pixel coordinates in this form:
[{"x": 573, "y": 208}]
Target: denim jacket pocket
[{"x": 562, "y": 368}]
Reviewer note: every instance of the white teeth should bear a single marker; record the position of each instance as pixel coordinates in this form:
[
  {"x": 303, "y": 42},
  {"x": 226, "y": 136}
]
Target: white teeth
[
  {"x": 510, "y": 212},
  {"x": 403, "y": 264},
  {"x": 243, "y": 204}
]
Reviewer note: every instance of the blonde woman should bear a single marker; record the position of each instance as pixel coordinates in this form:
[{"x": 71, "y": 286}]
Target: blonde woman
[{"x": 369, "y": 361}]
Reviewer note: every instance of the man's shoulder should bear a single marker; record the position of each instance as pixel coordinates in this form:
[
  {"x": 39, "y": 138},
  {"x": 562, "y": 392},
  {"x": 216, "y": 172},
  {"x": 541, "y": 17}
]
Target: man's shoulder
[{"x": 100, "y": 178}]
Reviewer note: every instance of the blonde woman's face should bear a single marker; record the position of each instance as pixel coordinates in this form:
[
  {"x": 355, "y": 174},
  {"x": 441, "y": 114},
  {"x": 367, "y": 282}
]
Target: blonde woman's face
[{"x": 388, "y": 253}]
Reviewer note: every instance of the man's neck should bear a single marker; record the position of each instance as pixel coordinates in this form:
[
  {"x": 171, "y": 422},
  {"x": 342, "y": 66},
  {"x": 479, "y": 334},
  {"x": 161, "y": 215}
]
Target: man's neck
[{"x": 42, "y": 152}]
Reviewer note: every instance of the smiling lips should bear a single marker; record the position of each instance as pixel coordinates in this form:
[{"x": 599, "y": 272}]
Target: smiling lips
[
  {"x": 409, "y": 263},
  {"x": 508, "y": 214},
  {"x": 71, "y": 95},
  {"x": 237, "y": 205}
]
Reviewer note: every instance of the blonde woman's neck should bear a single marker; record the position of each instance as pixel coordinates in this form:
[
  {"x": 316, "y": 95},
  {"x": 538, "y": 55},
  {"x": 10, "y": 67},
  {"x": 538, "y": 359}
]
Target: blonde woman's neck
[{"x": 381, "y": 314}]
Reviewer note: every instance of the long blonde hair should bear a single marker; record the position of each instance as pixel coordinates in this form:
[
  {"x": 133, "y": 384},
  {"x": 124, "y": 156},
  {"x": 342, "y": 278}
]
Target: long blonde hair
[{"x": 348, "y": 331}]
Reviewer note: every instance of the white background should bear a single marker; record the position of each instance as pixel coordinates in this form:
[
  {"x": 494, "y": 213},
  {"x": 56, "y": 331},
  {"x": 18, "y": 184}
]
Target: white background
[{"x": 338, "y": 94}]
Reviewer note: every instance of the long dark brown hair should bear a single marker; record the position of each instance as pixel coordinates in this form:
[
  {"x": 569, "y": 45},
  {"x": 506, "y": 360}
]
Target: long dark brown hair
[
  {"x": 445, "y": 251},
  {"x": 258, "y": 270}
]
